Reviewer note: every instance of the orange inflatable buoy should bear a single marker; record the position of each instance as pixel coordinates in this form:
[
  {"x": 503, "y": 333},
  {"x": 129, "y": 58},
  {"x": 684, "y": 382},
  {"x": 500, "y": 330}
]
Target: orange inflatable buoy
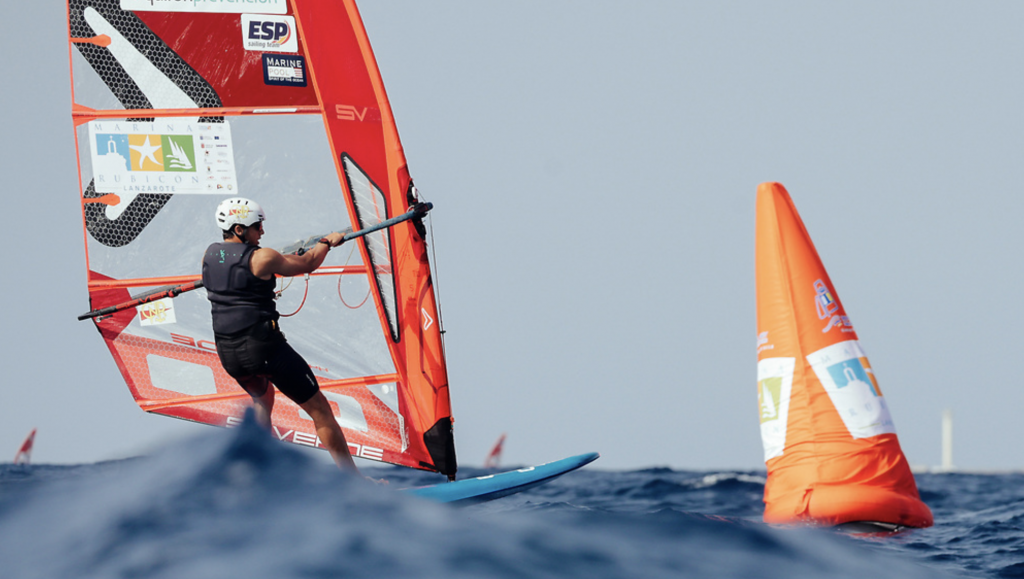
[{"x": 829, "y": 441}]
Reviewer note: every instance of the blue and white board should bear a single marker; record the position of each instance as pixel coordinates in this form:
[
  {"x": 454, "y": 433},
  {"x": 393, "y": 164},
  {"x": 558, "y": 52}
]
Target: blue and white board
[{"x": 495, "y": 486}]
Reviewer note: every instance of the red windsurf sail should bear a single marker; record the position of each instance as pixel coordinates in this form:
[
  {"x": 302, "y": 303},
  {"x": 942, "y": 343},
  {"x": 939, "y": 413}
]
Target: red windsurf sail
[
  {"x": 494, "y": 457},
  {"x": 24, "y": 455},
  {"x": 829, "y": 441},
  {"x": 178, "y": 105}
]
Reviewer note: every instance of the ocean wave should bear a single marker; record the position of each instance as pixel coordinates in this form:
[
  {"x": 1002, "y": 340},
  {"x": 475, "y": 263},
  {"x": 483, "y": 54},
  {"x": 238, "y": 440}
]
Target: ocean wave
[{"x": 238, "y": 503}]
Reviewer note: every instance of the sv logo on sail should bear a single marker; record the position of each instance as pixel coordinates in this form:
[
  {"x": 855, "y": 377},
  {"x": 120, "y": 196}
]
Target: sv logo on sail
[{"x": 351, "y": 113}]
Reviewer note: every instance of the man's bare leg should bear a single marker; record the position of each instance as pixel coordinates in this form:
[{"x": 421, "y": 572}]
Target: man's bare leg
[
  {"x": 329, "y": 432},
  {"x": 264, "y": 406}
]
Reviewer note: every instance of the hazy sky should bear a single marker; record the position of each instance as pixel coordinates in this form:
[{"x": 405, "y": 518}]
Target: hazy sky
[{"x": 594, "y": 167}]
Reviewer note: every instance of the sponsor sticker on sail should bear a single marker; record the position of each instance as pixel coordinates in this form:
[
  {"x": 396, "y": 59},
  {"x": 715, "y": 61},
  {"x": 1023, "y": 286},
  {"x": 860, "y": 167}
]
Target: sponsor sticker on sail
[
  {"x": 288, "y": 70},
  {"x": 267, "y": 33},
  {"x": 162, "y": 157},
  {"x": 157, "y": 313},
  {"x": 847, "y": 377}
]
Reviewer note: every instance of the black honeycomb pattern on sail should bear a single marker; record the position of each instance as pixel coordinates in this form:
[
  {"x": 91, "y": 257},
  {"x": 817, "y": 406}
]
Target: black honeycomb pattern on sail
[{"x": 123, "y": 230}]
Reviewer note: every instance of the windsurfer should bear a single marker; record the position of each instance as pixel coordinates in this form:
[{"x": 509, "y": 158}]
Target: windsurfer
[{"x": 239, "y": 278}]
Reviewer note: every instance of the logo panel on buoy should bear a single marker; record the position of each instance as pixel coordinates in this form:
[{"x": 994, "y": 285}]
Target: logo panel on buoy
[
  {"x": 774, "y": 388},
  {"x": 846, "y": 376}
]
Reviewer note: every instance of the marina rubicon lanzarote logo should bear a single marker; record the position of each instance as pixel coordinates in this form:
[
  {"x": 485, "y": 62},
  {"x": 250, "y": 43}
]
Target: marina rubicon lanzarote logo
[{"x": 161, "y": 157}]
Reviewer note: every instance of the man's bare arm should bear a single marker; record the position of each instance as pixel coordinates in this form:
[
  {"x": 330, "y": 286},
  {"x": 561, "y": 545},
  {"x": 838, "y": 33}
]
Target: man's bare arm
[{"x": 267, "y": 262}]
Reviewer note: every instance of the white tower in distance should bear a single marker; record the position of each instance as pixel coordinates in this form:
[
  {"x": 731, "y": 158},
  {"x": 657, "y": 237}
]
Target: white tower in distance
[{"x": 947, "y": 441}]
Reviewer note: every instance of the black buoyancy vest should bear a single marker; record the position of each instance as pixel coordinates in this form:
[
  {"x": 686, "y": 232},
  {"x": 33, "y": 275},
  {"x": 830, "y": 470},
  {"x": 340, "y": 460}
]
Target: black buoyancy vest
[{"x": 238, "y": 298}]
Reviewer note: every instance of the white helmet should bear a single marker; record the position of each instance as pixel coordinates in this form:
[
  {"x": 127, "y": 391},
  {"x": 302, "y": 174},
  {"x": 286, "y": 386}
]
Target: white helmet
[{"x": 238, "y": 211}]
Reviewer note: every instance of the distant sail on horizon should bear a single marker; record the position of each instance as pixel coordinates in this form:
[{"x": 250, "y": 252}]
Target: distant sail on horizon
[
  {"x": 24, "y": 455},
  {"x": 829, "y": 440},
  {"x": 493, "y": 459}
]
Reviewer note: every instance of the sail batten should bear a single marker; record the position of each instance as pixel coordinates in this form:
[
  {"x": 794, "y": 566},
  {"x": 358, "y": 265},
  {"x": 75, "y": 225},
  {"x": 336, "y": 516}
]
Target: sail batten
[
  {"x": 175, "y": 280},
  {"x": 175, "y": 111},
  {"x": 87, "y": 113},
  {"x": 334, "y": 385}
]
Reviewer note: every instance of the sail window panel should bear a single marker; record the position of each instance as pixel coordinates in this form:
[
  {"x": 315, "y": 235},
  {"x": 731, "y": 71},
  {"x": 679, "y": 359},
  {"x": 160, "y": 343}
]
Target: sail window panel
[
  {"x": 336, "y": 329},
  {"x": 180, "y": 376},
  {"x": 350, "y": 414},
  {"x": 388, "y": 394},
  {"x": 327, "y": 319},
  {"x": 90, "y": 90},
  {"x": 282, "y": 162},
  {"x": 371, "y": 209}
]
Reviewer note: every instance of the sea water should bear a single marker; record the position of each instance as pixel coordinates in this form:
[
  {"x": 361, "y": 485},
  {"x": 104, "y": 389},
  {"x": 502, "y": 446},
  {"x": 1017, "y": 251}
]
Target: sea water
[{"x": 236, "y": 503}]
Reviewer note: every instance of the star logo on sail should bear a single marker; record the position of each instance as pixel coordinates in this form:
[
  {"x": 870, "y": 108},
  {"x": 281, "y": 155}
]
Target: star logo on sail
[{"x": 148, "y": 152}]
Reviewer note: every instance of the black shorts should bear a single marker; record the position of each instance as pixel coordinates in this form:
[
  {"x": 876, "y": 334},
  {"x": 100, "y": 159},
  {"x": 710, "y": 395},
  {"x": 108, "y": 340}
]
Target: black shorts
[{"x": 261, "y": 353}]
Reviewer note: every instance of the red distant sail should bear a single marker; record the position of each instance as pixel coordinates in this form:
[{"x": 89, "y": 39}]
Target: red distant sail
[
  {"x": 24, "y": 455},
  {"x": 494, "y": 458}
]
